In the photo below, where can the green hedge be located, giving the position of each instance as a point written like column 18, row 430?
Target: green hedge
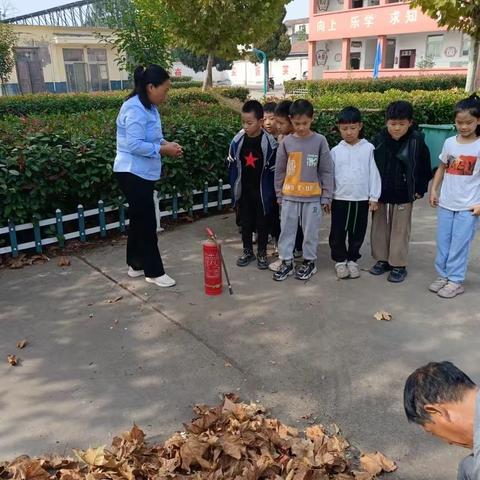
column 44, row 104
column 59, row 161
column 180, row 79
column 406, row 84
column 240, row 93
column 191, row 84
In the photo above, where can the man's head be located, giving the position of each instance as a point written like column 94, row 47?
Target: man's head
column 269, row 117
column 441, row 398
column 282, row 118
column 399, row 117
column 301, row 116
column 252, row 118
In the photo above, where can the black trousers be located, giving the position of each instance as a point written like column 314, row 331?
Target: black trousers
column 142, row 245
column 253, row 218
column 274, row 221
column 348, row 219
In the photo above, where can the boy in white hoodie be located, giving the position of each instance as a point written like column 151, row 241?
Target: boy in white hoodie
column 357, row 188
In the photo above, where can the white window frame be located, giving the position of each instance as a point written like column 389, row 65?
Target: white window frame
column 438, row 46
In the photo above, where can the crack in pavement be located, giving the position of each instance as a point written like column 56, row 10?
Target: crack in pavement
column 218, row 353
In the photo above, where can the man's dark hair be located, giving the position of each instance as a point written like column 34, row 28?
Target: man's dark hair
column 301, row 107
column 283, row 109
column 436, row 382
column 269, row 107
column 142, row 77
column 399, row 110
column 255, row 107
column 470, row 105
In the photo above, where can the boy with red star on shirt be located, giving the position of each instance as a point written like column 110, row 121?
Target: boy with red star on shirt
column 251, row 167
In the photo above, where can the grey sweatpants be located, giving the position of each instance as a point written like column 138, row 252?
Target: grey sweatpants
column 309, row 215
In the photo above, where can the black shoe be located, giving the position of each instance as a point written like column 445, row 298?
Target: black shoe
column 380, row 268
column 284, row 271
column 247, row 258
column 306, row 270
column 397, row 275
column 262, row 262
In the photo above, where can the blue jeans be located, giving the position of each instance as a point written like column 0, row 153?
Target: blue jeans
column 455, row 232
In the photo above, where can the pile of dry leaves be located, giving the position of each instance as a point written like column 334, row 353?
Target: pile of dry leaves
column 232, row 441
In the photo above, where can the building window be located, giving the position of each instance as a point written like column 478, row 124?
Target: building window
column 357, row 3
column 75, row 69
column 466, row 42
column 373, row 3
column 434, row 46
column 91, row 75
column 98, row 69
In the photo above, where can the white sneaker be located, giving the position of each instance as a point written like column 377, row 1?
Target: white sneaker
column 438, row 284
column 451, row 290
column 134, row 273
column 275, row 266
column 353, row 269
column 164, row 281
column 341, row 269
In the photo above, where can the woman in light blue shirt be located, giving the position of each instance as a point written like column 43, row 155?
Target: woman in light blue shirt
column 138, row 165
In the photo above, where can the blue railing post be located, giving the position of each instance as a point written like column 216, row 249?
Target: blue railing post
column 174, row 203
column 13, row 239
column 205, row 198
column 37, row 234
column 81, row 224
column 101, row 217
column 59, row 226
column 121, row 215
column 220, row 194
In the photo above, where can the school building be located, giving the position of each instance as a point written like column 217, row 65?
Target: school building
column 63, row 58
column 343, row 36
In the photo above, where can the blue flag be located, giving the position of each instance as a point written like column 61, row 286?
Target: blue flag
column 378, row 60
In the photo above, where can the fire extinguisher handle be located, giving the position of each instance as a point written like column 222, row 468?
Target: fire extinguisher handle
column 210, row 232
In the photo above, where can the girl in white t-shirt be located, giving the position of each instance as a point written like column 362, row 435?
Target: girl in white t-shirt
column 459, row 202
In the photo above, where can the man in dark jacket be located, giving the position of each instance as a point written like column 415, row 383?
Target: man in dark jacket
column 403, row 160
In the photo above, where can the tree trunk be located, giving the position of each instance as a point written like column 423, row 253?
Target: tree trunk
column 208, row 79
column 473, row 70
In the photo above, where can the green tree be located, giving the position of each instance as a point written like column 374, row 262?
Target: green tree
column 217, row 27
column 277, row 46
column 199, row 62
column 8, row 39
column 458, row 15
column 139, row 32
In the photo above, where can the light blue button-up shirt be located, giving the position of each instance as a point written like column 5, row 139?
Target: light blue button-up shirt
column 139, row 136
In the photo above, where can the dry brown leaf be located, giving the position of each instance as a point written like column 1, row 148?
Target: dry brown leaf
column 375, row 463
column 22, row 344
column 63, row 261
column 12, row 360
column 96, row 457
column 28, row 469
column 383, row 315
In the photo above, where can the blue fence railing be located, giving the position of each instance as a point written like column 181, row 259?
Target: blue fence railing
column 51, row 231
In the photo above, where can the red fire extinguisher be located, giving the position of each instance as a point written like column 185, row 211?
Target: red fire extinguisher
column 212, row 267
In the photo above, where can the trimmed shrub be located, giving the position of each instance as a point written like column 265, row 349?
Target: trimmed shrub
column 240, row 93
column 191, row 84
column 406, row 84
column 180, row 79
column 71, row 103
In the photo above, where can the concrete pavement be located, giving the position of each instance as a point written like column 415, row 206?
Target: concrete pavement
column 302, row 348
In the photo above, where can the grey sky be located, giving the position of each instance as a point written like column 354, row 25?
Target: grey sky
column 295, row 9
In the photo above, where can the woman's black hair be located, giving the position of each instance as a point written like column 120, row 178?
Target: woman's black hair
column 153, row 74
column 470, row 105
column 350, row 115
